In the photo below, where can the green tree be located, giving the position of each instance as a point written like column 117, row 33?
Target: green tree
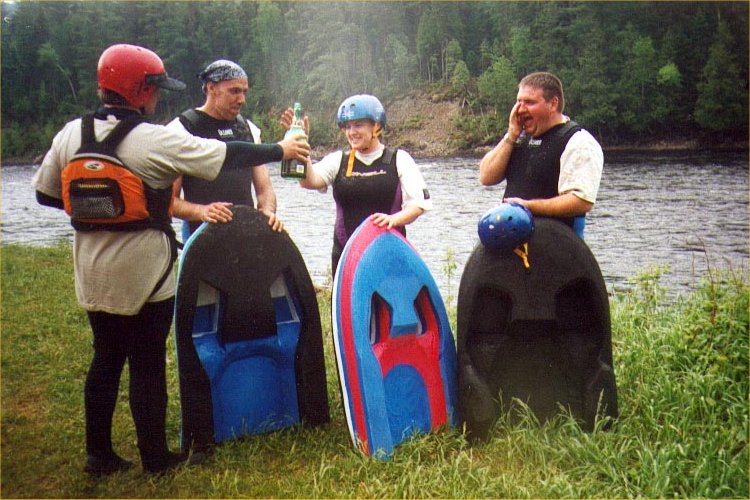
column 589, row 96
column 53, row 71
column 24, row 31
column 669, row 85
column 637, row 86
column 439, row 24
column 554, row 47
column 486, row 55
column 403, row 70
column 722, row 100
column 453, row 54
column 428, row 43
column 272, row 39
column 460, row 82
column 648, row 77
column 498, row 86
column 336, row 59
column 521, row 49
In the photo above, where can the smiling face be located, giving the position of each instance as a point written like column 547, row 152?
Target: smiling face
column 361, row 135
column 535, row 114
column 225, row 99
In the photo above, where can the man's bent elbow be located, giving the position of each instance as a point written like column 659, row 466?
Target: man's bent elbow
column 582, row 206
column 488, row 180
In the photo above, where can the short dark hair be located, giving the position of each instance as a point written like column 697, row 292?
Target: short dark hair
column 112, row 98
column 550, row 84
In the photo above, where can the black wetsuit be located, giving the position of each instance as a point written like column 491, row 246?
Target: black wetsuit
column 534, row 168
column 234, row 186
column 369, row 189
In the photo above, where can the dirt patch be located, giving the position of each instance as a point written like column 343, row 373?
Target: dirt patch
column 422, row 125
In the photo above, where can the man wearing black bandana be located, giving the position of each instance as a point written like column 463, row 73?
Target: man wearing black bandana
column 225, row 85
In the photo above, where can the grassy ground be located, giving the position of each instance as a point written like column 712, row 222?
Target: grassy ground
column 682, row 372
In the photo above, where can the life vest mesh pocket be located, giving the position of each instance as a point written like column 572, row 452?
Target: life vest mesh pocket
column 96, row 199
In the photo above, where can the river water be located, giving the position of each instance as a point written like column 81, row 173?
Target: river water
column 687, row 212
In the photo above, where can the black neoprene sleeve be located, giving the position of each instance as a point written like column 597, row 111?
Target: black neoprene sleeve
column 49, row 201
column 246, row 154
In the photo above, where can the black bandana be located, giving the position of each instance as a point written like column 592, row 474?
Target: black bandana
column 221, row 70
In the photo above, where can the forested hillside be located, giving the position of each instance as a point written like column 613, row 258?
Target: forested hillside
column 633, row 71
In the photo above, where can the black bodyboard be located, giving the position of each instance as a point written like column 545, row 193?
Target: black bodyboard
column 540, row 335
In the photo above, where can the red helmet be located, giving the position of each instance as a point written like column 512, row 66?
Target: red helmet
column 134, row 73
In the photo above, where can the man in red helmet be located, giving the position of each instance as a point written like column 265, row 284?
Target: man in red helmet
column 123, row 275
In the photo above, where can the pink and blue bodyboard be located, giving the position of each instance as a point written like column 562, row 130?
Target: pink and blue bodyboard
column 394, row 346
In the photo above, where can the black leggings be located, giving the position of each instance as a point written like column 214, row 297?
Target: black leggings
column 335, row 257
column 141, row 340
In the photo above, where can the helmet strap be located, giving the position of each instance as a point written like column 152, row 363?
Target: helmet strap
column 350, row 163
column 523, row 252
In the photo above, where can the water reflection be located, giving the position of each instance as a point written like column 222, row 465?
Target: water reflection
column 688, row 212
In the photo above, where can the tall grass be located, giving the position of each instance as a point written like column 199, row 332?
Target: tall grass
column 681, row 366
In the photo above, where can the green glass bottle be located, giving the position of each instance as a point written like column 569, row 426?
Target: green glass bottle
column 294, row 169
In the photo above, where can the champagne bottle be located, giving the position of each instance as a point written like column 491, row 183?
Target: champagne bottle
column 294, row 169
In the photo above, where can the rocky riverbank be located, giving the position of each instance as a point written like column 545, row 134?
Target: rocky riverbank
column 423, row 126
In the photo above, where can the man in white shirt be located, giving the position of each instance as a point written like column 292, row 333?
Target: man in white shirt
column 552, row 165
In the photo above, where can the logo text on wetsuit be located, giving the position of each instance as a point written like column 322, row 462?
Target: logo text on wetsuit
column 368, row 174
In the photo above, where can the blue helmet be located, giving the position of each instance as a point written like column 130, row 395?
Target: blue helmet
column 358, row 107
column 506, row 226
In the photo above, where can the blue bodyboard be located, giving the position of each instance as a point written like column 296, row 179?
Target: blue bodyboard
column 248, row 334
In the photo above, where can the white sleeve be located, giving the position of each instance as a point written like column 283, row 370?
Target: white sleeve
column 64, row 145
column 254, row 130
column 176, row 124
column 413, row 186
column 328, row 167
column 47, row 179
column 581, row 166
column 171, row 152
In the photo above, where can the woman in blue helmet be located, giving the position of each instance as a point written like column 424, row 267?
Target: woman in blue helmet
column 371, row 180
